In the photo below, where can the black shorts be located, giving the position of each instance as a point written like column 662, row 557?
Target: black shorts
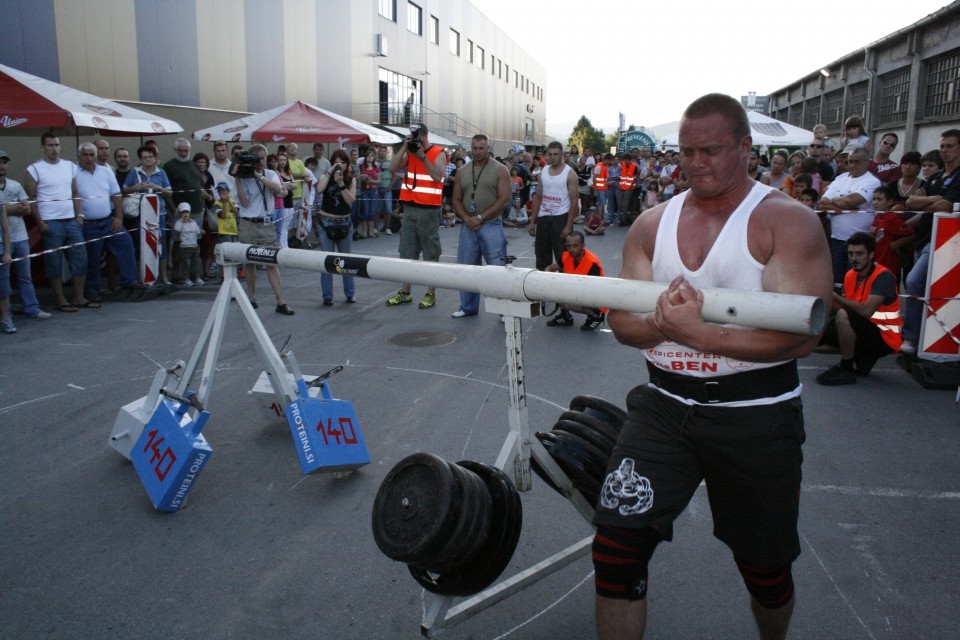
column 870, row 343
column 750, row 458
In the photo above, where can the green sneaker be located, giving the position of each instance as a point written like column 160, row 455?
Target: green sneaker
column 428, row 300
column 402, row 297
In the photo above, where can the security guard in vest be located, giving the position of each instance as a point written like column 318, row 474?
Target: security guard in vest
column 421, row 195
column 868, row 324
column 577, row 260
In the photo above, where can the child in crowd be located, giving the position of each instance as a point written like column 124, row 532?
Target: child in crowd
column 226, row 210
column 803, row 182
column 889, row 229
column 809, row 167
column 652, row 198
column 593, row 224
column 666, row 188
column 190, row 234
column 810, row 198
column 517, row 218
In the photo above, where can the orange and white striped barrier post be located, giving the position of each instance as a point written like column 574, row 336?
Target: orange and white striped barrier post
column 940, row 328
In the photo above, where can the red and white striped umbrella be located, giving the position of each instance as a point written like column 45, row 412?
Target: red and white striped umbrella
column 29, row 103
column 296, row 122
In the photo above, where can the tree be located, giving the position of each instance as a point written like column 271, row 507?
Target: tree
column 612, row 140
column 584, row 135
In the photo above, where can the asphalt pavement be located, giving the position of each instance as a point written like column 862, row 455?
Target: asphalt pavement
column 262, row 551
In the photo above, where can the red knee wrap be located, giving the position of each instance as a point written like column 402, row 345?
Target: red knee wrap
column 620, row 559
column 771, row 588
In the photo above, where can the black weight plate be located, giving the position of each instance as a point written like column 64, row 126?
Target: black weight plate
column 587, row 433
column 414, row 507
column 538, row 470
column 500, row 545
column 591, row 458
column 474, row 522
column 484, row 523
column 600, row 425
column 578, row 462
column 614, row 414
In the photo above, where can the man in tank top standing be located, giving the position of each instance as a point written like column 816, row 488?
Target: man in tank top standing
column 723, row 403
column 480, row 193
column 555, row 205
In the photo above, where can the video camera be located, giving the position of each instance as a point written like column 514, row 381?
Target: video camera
column 414, row 145
column 243, row 165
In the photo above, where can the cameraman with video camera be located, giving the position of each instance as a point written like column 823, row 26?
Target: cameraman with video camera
column 421, row 195
column 255, row 221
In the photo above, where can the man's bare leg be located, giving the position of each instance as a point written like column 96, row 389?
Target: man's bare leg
column 772, row 623
column 621, row 619
column 273, row 276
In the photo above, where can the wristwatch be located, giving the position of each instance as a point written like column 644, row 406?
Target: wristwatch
column 479, row 218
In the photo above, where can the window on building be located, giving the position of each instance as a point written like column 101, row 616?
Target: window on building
column 434, row 29
column 796, row 115
column 499, row 69
column 856, row 101
column 414, row 19
column 395, row 92
column 470, row 51
column 388, row 9
column 516, row 79
column 493, row 66
column 833, row 110
column 454, row 42
column 943, row 92
column 480, row 54
column 506, row 76
column 894, row 92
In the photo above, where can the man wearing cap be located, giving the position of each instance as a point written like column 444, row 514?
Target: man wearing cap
column 51, row 185
column 226, row 212
column 16, row 245
column 103, row 222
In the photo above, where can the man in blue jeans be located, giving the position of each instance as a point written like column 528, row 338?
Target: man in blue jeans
column 13, row 200
column 943, row 190
column 481, row 191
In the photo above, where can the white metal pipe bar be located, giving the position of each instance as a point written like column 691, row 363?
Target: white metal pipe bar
column 763, row 310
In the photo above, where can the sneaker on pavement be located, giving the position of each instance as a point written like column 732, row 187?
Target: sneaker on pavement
column 836, row 375
column 200, row 282
column 188, row 283
column 42, row 315
column 388, row 232
column 593, row 321
column 460, row 313
column 429, row 299
column 7, row 326
column 402, row 297
column 562, row 319
column 909, row 347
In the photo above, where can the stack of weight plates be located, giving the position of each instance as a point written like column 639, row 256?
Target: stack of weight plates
column 581, row 443
column 456, row 525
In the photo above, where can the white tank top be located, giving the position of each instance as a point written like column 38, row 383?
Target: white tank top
column 54, row 188
column 556, row 196
column 729, row 265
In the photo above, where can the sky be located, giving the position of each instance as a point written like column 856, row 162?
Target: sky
column 651, row 59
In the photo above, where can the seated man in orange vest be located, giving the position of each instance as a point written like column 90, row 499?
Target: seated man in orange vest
column 868, row 319
column 577, row 260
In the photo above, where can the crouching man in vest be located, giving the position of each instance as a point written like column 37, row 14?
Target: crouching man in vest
column 868, row 318
column 577, row 260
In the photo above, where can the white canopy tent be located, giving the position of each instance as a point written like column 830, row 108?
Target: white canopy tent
column 767, row 132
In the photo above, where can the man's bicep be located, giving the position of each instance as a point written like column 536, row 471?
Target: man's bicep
column 800, row 262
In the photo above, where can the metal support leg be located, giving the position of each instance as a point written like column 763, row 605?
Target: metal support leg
column 440, row 612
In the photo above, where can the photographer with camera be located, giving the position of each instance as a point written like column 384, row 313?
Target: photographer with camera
column 421, row 195
column 339, row 189
column 254, row 181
